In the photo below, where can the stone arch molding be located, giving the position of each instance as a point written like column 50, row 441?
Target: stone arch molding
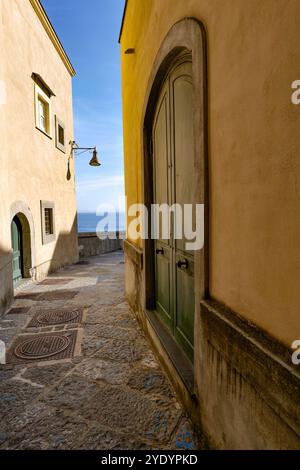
column 20, row 209
column 187, row 36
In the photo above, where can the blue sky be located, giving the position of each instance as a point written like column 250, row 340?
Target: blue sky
column 89, row 31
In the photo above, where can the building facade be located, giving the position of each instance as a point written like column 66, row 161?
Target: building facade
column 208, row 119
column 38, row 229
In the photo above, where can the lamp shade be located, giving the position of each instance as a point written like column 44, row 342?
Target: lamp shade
column 94, row 160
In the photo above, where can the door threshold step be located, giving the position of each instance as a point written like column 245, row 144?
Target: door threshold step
column 179, row 360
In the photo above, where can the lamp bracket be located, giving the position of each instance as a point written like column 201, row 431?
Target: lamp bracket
column 75, row 147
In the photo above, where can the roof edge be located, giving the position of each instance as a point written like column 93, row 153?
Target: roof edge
column 43, row 17
column 123, row 20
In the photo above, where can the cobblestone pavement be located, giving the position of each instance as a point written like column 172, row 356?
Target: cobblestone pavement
column 111, row 394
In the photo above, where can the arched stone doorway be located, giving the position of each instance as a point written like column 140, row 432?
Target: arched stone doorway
column 22, row 241
column 21, row 246
column 181, row 59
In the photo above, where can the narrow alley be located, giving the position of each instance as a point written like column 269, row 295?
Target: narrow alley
column 80, row 373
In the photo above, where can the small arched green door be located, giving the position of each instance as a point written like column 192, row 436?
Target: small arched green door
column 16, row 238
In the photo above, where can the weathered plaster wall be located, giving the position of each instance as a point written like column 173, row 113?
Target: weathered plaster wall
column 248, row 388
column 6, row 288
column 31, row 167
column 134, row 278
column 253, row 140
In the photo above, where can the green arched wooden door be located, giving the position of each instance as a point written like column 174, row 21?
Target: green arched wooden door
column 16, row 242
column 174, row 183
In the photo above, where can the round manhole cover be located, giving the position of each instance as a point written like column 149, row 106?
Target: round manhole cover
column 42, row 347
column 57, row 317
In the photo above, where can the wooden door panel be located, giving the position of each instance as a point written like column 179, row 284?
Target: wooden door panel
column 16, row 246
column 185, row 304
column 173, row 175
column 183, row 144
column 160, row 149
column 161, row 171
column 183, row 194
column 163, row 284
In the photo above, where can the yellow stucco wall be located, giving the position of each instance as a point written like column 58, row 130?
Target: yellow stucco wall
column 254, row 142
column 31, row 167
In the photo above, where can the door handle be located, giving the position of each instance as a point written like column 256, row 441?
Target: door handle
column 159, row 251
column 183, row 264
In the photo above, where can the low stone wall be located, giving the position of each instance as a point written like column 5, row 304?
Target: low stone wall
column 6, row 284
column 90, row 245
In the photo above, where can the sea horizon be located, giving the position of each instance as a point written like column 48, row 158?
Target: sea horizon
column 109, row 222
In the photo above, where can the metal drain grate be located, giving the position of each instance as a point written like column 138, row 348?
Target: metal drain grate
column 54, row 282
column 18, row 310
column 44, row 318
column 58, row 295
column 42, row 348
column 54, row 346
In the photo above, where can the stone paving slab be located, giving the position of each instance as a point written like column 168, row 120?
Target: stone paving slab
column 113, row 395
column 18, row 311
column 55, row 281
column 43, row 375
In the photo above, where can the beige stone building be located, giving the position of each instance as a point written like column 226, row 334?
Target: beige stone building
column 38, row 230
column 208, row 119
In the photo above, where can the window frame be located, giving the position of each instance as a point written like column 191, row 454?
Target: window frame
column 40, row 95
column 59, row 145
column 47, row 237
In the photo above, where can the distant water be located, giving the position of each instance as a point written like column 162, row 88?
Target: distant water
column 87, row 222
